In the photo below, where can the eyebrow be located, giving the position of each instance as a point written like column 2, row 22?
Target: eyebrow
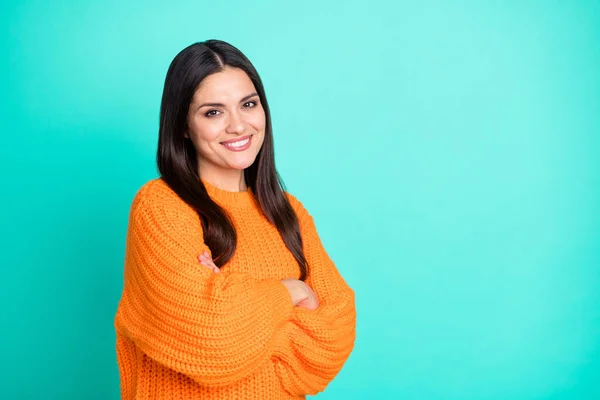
column 223, row 105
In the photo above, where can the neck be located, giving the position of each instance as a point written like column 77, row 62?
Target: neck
column 229, row 180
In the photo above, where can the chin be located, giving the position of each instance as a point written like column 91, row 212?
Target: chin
column 241, row 164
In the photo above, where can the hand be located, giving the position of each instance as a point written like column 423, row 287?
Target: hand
column 302, row 295
column 206, row 260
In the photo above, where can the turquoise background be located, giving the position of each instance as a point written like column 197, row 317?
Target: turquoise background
column 448, row 150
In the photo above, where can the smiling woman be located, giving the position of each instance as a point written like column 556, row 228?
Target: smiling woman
column 229, row 133
column 228, row 291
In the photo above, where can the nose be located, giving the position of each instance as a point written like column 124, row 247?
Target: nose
column 235, row 123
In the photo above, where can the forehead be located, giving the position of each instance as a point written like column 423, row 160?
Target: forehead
column 231, row 83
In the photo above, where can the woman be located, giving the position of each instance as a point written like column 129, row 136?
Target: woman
column 228, row 292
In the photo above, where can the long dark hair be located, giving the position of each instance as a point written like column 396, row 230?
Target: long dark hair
column 177, row 160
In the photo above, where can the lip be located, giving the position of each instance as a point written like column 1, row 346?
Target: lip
column 241, row 148
column 236, row 139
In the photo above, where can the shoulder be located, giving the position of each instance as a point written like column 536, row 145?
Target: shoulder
column 155, row 192
column 156, row 197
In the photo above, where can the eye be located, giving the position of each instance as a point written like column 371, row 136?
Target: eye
column 209, row 113
column 251, row 102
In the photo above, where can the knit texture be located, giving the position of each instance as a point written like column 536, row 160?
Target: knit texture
column 184, row 332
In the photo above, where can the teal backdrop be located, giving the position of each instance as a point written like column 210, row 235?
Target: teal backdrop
column 448, row 150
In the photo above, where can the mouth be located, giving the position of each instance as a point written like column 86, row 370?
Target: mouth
column 238, row 144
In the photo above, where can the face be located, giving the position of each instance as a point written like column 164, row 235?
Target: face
column 226, row 122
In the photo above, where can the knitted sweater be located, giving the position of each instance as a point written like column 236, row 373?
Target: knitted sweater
column 185, row 332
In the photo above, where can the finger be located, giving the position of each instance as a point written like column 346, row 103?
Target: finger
column 209, row 263
column 314, row 302
column 308, row 304
column 205, row 262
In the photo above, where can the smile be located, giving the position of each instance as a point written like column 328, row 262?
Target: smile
column 238, row 144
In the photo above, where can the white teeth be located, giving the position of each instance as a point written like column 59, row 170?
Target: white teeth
column 237, row 144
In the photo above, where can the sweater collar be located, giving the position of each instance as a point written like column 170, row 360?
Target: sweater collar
column 230, row 199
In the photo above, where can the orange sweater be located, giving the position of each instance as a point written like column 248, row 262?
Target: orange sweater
column 184, row 332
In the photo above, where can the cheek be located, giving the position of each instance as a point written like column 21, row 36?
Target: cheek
column 203, row 137
column 256, row 119
column 204, row 132
column 259, row 121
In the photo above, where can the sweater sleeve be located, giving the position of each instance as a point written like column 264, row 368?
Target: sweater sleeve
column 315, row 344
column 214, row 328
